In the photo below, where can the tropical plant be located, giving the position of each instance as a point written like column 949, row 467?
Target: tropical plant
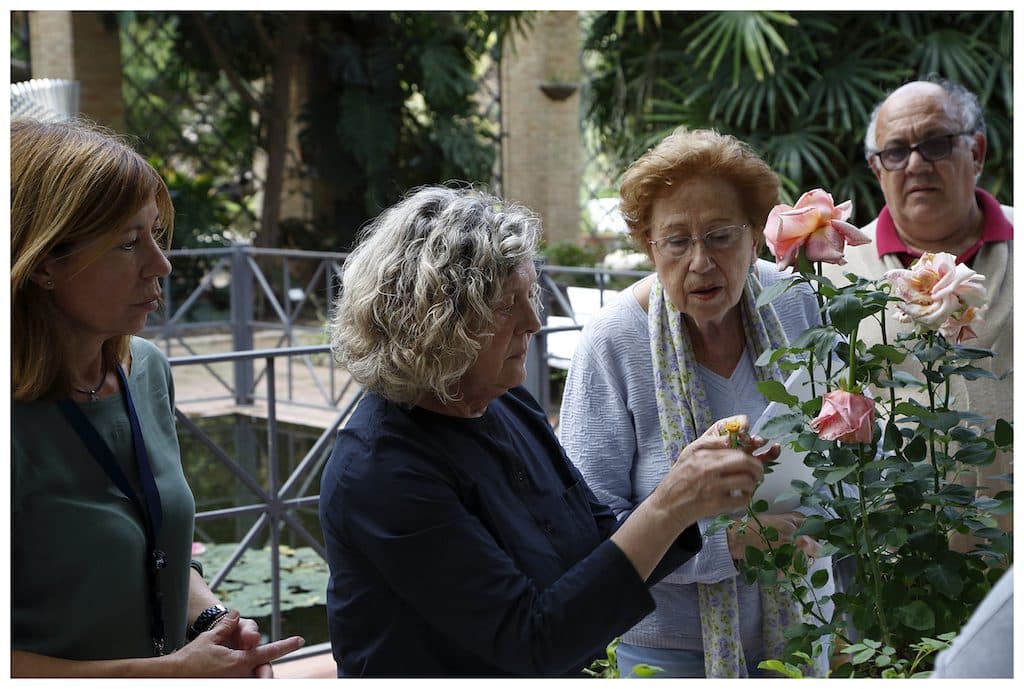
column 379, row 101
column 798, row 86
column 888, row 447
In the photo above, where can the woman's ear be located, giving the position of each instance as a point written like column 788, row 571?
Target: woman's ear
column 45, row 272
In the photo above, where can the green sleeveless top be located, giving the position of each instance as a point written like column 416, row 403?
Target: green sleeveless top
column 78, row 581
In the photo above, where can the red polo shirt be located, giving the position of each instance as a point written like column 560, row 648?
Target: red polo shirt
column 996, row 229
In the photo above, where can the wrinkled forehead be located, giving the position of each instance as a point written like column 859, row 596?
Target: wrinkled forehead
column 522, row 278
column 915, row 112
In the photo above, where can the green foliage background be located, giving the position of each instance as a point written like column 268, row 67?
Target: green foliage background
column 390, row 103
column 798, row 86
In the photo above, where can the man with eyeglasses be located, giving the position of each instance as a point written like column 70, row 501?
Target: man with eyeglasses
column 926, row 145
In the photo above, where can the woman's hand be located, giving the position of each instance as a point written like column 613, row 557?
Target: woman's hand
column 708, row 478
column 711, row 475
column 216, row 652
column 228, row 649
column 785, row 524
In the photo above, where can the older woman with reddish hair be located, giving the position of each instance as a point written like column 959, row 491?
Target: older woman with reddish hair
column 657, row 367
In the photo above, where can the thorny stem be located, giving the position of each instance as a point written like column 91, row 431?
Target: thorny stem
column 821, row 310
column 872, row 555
column 853, row 358
column 792, row 586
column 888, row 367
column 931, row 407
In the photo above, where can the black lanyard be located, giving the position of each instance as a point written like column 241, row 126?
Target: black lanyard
column 149, row 507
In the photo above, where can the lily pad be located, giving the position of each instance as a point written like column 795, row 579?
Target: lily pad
column 248, row 584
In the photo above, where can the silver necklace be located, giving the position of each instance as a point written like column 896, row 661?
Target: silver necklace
column 93, row 394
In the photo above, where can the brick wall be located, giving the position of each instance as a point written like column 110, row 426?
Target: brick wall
column 85, row 47
column 542, row 154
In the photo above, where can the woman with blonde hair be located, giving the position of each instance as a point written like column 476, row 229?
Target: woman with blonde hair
column 655, row 369
column 102, row 517
column 461, row 540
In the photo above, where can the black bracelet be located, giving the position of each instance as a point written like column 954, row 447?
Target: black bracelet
column 197, row 566
column 207, row 618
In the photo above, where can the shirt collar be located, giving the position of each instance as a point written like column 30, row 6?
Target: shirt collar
column 996, row 228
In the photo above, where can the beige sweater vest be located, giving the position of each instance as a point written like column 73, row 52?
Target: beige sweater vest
column 991, row 399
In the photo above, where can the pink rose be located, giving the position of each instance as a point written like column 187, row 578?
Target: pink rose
column 846, row 417
column 198, row 548
column 815, row 222
column 936, row 289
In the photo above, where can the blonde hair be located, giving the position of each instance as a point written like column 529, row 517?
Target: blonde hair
column 693, row 154
column 419, row 290
column 73, row 188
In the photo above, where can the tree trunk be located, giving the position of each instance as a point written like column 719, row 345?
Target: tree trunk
column 275, row 127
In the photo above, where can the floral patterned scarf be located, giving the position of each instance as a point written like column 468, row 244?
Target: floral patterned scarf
column 684, row 414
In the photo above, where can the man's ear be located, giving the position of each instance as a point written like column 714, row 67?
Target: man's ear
column 875, row 167
column 45, row 273
column 979, row 150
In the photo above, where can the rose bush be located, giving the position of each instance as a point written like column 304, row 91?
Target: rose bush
column 889, row 468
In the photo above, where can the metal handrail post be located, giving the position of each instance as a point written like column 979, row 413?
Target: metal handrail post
column 537, row 373
column 242, row 308
column 275, row 509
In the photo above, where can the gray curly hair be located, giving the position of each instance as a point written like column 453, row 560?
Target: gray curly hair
column 419, row 290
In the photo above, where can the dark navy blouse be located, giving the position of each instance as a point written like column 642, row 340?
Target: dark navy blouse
column 471, row 547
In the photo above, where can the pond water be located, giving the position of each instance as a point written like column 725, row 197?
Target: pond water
column 216, row 487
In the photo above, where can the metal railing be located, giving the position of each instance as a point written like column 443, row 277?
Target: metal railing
column 280, row 495
column 265, row 300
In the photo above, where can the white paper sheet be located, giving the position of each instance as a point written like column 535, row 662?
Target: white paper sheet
column 790, row 464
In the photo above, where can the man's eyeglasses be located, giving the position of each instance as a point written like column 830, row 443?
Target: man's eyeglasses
column 932, row 149
column 679, row 245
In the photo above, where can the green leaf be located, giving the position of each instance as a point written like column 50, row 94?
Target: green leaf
column 863, row 656
column 917, row 615
column 945, row 581
column 916, row 449
column 790, row 422
column 975, row 372
column 720, row 522
column 1004, row 433
column 819, row 578
column 838, row 474
column 896, row 538
column 845, row 312
column 914, row 410
column 888, row 353
column 774, row 291
column 775, row 391
column 814, row 525
column 976, row 454
column 784, row 669
column 645, row 670
column 972, row 352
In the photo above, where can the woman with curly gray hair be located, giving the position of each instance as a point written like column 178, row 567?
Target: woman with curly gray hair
column 461, row 540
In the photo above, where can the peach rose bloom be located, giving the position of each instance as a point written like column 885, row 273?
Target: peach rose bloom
column 815, row 222
column 935, row 289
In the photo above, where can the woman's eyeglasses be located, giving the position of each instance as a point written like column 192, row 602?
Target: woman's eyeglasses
column 931, row 149
column 679, row 245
